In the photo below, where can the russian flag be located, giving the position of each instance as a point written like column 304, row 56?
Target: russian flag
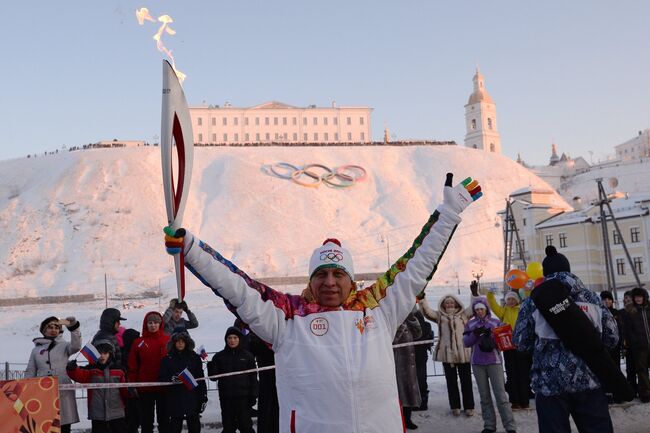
column 188, row 380
column 90, row 352
column 202, row 353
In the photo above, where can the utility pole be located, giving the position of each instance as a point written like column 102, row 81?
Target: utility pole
column 510, row 235
column 604, row 201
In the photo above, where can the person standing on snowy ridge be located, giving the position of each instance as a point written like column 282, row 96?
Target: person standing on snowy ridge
column 334, row 357
column 563, row 383
column 173, row 317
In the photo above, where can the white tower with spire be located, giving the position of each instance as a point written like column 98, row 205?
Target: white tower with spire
column 481, row 119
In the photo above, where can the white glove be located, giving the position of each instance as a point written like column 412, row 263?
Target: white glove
column 457, row 198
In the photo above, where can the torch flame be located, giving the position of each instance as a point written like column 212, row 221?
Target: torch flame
column 143, row 15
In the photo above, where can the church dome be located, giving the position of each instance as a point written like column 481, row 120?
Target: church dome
column 479, row 94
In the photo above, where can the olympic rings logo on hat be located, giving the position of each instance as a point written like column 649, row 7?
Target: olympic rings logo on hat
column 344, row 176
column 332, row 257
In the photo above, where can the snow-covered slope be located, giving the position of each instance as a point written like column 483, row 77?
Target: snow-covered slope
column 70, row 218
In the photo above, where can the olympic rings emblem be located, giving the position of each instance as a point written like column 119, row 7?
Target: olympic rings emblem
column 313, row 175
column 332, row 257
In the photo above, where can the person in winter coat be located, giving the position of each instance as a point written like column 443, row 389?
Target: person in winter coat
column 517, row 363
column 608, row 300
column 486, row 363
column 630, row 362
column 334, row 357
column 131, row 409
column 146, row 355
column 105, row 405
column 236, row 393
column 109, row 326
column 267, row 395
column 637, row 335
column 408, row 388
column 564, row 386
column 451, row 317
column 183, row 403
column 173, row 317
column 49, row 358
column 422, row 356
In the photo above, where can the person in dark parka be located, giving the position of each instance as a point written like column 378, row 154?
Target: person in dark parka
column 637, row 336
column 236, row 393
column 408, row 387
column 182, row 402
column 109, row 325
column 268, row 410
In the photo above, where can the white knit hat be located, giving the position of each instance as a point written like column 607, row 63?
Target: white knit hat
column 512, row 294
column 479, row 305
column 331, row 255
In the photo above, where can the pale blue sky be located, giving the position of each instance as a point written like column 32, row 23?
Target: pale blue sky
column 575, row 72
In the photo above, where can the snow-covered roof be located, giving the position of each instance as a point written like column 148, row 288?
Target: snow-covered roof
column 622, row 207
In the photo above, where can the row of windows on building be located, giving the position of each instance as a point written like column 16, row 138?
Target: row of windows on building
column 620, row 263
column 258, row 138
column 284, row 120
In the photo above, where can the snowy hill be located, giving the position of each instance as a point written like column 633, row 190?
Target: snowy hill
column 68, row 219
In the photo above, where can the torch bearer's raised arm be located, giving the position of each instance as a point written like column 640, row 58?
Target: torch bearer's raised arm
column 175, row 132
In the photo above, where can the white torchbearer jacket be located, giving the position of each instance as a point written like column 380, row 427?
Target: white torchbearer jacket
column 334, row 366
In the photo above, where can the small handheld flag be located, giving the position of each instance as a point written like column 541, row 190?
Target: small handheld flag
column 202, row 353
column 188, row 380
column 90, row 352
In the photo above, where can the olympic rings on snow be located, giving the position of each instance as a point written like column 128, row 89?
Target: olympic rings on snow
column 312, row 175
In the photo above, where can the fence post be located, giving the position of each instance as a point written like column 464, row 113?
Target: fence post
column 6, row 370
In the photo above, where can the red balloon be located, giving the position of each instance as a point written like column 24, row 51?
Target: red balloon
column 539, row 281
column 516, row 279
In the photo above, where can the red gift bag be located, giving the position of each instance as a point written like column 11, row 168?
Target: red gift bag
column 503, row 336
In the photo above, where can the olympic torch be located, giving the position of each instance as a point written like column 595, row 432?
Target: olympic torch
column 176, row 132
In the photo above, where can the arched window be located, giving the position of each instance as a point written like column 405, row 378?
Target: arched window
column 489, row 123
column 491, row 147
column 473, row 123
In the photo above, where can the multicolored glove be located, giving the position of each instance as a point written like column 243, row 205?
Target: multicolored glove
column 457, row 198
column 174, row 240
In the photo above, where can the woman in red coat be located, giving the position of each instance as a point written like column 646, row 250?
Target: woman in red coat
column 146, row 355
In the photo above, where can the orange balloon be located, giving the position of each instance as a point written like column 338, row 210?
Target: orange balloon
column 516, row 279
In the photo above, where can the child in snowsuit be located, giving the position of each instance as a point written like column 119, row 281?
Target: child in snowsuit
column 105, row 405
column 517, row 363
column 239, row 392
column 182, row 402
column 486, row 363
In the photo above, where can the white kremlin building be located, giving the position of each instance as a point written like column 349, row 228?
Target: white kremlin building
column 276, row 122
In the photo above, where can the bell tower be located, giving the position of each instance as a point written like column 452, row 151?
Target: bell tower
column 481, row 119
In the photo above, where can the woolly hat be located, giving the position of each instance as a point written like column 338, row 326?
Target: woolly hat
column 104, row 346
column 152, row 317
column 554, row 262
column 479, row 305
column 606, row 294
column 514, row 295
column 331, row 255
column 48, row 320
